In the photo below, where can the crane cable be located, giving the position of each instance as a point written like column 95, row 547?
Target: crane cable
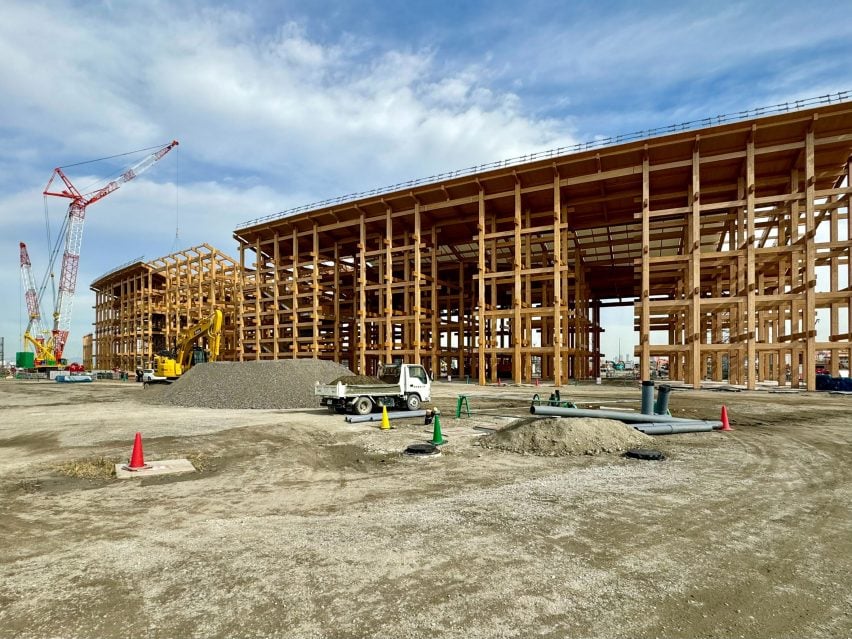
column 176, row 241
column 49, row 275
column 110, row 157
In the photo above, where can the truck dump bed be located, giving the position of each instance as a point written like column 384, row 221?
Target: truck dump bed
column 355, row 390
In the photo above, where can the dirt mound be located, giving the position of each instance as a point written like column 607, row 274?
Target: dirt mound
column 357, row 379
column 285, row 383
column 559, row 436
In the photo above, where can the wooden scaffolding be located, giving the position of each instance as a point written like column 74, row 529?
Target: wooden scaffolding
column 731, row 243
column 142, row 307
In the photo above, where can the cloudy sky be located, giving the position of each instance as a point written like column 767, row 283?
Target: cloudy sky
column 277, row 104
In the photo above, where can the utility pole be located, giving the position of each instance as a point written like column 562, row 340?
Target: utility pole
column 3, row 354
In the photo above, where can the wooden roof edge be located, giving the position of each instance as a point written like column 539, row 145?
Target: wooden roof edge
column 242, row 233
column 118, row 273
column 200, row 249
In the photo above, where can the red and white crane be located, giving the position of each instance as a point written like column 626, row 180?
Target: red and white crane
column 35, row 333
column 73, row 240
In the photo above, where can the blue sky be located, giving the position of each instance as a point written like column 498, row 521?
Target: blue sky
column 277, row 104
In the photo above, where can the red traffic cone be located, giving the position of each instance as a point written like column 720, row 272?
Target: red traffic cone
column 137, row 457
column 725, row 423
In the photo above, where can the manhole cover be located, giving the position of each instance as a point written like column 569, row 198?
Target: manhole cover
column 422, row 450
column 644, row 453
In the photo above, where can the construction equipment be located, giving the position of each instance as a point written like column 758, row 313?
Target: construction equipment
column 35, row 333
column 187, row 352
column 403, row 386
column 49, row 348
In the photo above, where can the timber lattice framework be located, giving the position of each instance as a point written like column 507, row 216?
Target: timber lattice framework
column 142, row 307
column 731, row 243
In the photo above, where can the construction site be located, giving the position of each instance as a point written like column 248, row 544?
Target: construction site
column 730, row 243
column 387, row 415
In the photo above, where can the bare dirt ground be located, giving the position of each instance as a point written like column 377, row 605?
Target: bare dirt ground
column 299, row 525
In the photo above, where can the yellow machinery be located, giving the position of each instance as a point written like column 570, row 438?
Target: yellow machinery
column 188, row 352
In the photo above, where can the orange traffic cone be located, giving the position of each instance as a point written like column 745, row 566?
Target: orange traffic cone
column 725, row 423
column 137, row 457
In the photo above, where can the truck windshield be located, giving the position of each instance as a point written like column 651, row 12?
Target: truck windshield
column 390, row 374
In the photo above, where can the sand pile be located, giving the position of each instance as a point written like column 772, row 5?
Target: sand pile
column 559, row 436
column 272, row 384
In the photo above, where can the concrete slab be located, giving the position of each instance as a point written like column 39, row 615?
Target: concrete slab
column 159, row 467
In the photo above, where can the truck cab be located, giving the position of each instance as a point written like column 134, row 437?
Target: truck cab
column 412, row 379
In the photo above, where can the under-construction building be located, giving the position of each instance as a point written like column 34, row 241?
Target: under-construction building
column 142, row 307
column 730, row 241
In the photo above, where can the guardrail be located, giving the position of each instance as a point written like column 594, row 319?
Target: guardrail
column 784, row 107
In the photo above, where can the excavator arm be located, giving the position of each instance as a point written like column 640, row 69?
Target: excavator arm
column 211, row 328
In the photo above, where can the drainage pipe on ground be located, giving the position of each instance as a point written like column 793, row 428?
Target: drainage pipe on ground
column 555, row 411
column 673, row 429
column 377, row 417
column 662, row 405
column 648, row 398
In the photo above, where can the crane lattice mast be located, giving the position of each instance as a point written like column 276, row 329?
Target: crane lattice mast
column 35, row 333
column 74, row 238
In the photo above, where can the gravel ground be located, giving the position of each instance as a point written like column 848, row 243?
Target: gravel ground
column 301, row 525
column 276, row 384
column 557, row 437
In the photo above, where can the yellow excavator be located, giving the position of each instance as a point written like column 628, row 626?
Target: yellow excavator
column 187, row 353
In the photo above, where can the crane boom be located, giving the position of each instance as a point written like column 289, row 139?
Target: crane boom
column 73, row 239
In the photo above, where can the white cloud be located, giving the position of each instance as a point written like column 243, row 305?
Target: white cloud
column 267, row 119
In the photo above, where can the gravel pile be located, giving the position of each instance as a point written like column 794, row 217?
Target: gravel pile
column 357, row 380
column 272, row 384
column 558, row 437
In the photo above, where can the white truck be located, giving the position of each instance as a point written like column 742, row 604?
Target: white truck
column 403, row 385
column 149, row 376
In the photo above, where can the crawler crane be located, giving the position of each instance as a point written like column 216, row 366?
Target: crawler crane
column 71, row 242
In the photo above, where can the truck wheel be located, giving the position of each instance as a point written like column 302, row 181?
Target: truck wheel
column 413, row 402
column 363, row 406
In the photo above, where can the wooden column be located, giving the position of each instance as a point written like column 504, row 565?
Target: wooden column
column 492, row 322
column 848, row 253
column 337, row 294
column 696, row 363
column 810, row 258
column 435, row 307
column 418, row 281
column 645, row 317
column 526, row 341
column 315, row 315
column 517, row 328
column 481, row 265
column 834, row 277
column 461, row 323
column 557, row 280
column 294, row 308
column 258, row 278
column 388, row 276
column 276, row 286
column 751, row 332
column 362, row 298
